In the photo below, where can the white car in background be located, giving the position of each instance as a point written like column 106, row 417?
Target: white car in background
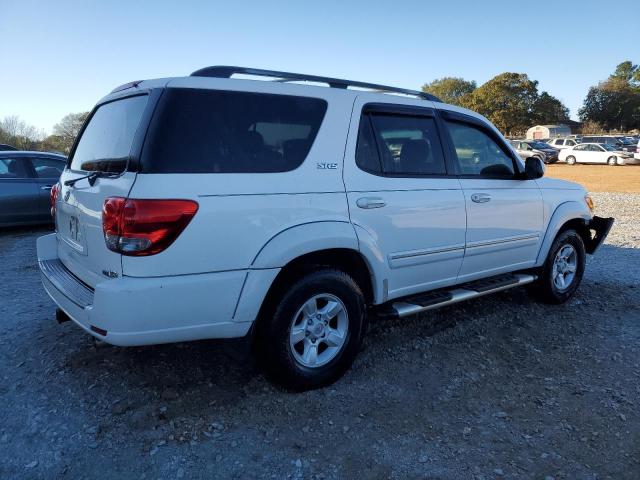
column 562, row 143
column 595, row 153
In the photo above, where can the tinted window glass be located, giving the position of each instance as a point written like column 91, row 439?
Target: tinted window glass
column 106, row 143
column 212, row 131
column 408, row 145
column 477, row 153
column 13, row 168
column 47, row 167
column 366, row 150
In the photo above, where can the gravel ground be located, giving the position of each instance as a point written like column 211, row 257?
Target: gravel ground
column 500, row 387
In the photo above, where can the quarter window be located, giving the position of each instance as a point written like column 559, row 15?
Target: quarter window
column 213, row 131
column 398, row 145
column 477, row 154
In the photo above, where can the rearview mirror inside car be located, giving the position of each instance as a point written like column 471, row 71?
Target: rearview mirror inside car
column 533, row 168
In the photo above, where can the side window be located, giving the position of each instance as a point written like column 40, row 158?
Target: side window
column 13, row 168
column 215, row 131
column 580, row 147
column 571, row 143
column 47, row 168
column 366, row 150
column 477, row 153
column 408, row 145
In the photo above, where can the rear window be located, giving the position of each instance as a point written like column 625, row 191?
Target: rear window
column 106, row 142
column 212, row 131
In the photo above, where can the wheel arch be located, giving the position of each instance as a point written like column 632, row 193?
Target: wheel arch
column 567, row 215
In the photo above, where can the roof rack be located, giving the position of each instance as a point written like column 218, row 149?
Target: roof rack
column 225, row 71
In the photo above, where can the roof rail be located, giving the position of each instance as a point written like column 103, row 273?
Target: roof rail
column 225, row 71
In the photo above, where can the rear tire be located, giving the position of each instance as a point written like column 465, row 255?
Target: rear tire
column 563, row 269
column 571, row 160
column 315, row 331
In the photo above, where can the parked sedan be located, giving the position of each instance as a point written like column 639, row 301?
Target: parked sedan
column 562, row 143
column 26, row 179
column 596, row 153
column 534, row 148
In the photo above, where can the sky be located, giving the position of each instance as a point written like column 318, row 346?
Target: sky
column 58, row 57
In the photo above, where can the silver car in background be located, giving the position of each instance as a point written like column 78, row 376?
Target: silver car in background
column 26, row 179
column 535, row 148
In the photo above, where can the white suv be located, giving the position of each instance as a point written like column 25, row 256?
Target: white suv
column 211, row 207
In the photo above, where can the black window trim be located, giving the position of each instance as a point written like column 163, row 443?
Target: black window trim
column 486, row 129
column 395, row 109
column 138, row 140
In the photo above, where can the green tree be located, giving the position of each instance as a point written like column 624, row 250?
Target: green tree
column 614, row 104
column 508, row 100
column 547, row 109
column 68, row 128
column 451, row 90
column 628, row 72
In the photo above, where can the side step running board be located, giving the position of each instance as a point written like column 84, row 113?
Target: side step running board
column 440, row 298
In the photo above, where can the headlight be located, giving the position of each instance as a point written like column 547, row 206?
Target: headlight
column 589, row 201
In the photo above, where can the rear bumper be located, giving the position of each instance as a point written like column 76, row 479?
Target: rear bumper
column 144, row 311
column 601, row 227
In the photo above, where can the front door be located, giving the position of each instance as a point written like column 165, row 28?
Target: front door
column 400, row 198
column 504, row 212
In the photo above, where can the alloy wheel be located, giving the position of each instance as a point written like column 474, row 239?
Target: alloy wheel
column 319, row 330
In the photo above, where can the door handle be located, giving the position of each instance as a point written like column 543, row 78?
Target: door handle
column 370, row 202
column 46, row 187
column 480, row 197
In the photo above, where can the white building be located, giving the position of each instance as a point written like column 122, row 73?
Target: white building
column 541, row 132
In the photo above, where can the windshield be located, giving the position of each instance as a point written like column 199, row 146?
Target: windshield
column 106, row 141
column 539, row 145
column 608, row 147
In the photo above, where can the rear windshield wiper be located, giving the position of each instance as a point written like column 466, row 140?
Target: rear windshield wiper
column 92, row 177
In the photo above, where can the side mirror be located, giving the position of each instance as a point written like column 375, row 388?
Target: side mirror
column 533, row 168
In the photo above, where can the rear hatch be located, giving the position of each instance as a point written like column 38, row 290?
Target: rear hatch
column 107, row 152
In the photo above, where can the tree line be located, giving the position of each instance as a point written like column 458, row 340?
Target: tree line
column 16, row 132
column 513, row 103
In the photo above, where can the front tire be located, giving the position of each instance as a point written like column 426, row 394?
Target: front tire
column 563, row 269
column 613, row 161
column 571, row 160
column 315, row 331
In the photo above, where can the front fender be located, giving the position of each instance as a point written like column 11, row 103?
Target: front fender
column 563, row 213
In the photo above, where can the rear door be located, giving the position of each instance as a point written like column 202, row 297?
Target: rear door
column 18, row 192
column 47, row 172
column 504, row 212
column 109, row 145
column 400, row 195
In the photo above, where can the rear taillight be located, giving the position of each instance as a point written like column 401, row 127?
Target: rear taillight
column 53, row 198
column 144, row 227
